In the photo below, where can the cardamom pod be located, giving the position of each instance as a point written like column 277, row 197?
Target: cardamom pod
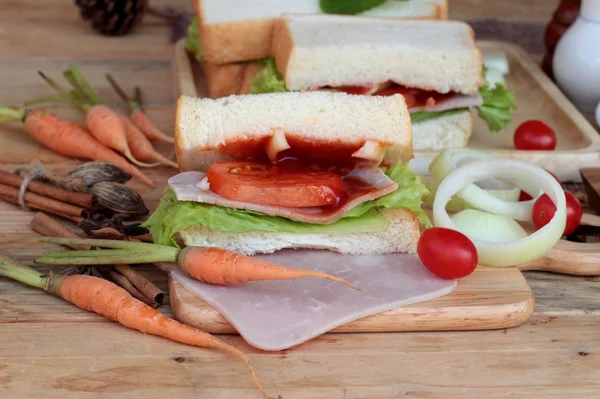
column 83, row 177
column 118, row 198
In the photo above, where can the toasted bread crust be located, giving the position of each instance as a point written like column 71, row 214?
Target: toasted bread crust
column 240, row 41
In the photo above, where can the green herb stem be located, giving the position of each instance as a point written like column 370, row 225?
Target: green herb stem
column 114, row 244
column 77, row 76
column 17, row 271
column 63, row 93
column 9, row 114
column 125, row 258
column 131, row 104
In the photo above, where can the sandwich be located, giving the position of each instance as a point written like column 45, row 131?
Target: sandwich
column 322, row 170
column 436, row 65
column 232, row 39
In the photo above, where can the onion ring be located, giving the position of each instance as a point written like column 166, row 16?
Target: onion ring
column 505, row 253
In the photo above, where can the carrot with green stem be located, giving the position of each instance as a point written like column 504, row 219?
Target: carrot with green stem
column 206, row 264
column 141, row 148
column 107, row 299
column 101, row 121
column 137, row 115
column 68, row 138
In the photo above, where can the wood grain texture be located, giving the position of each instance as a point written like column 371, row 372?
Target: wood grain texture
column 535, row 94
column 542, row 359
column 50, row 349
column 490, row 298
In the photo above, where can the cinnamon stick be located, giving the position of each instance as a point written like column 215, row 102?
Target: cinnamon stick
column 122, row 281
column 83, row 200
column 41, row 207
column 142, row 283
column 49, row 227
column 36, row 201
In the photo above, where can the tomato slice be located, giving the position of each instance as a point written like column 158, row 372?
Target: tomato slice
column 360, row 90
column 297, row 187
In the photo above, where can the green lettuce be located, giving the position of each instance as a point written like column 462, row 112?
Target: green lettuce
column 173, row 216
column 497, row 103
column 424, row 116
column 192, row 41
column 268, row 80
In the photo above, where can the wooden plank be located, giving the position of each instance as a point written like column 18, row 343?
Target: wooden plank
column 540, row 359
column 536, row 95
column 490, row 298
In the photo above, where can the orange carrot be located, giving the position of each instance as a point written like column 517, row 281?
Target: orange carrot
column 137, row 115
column 107, row 299
column 71, row 140
column 103, row 123
column 141, row 120
column 107, row 126
column 141, row 147
column 209, row 265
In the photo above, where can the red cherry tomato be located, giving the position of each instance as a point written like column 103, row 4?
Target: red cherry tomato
column 544, row 209
column 534, row 135
column 447, row 253
column 274, row 185
column 526, row 197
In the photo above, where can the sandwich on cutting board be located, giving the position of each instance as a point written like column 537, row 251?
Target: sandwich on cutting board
column 435, row 65
column 322, row 170
column 232, row 38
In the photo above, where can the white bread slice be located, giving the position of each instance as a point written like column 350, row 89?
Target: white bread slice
column 211, row 130
column 402, row 235
column 444, row 132
column 314, row 51
column 241, row 30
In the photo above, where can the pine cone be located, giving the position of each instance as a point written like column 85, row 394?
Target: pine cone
column 112, row 17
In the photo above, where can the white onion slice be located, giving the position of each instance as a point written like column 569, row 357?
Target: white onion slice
column 476, row 224
column 505, row 253
column 451, row 159
column 497, row 188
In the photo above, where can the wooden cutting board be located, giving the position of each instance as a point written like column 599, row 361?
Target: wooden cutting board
column 490, row 298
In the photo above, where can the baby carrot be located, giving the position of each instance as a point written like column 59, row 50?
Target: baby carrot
column 70, row 139
column 137, row 116
column 215, row 266
column 102, row 122
column 107, row 299
column 141, row 147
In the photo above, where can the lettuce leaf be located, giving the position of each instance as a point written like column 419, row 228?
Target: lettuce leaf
column 424, row 116
column 497, row 103
column 268, row 80
column 192, row 41
column 173, row 216
column 410, row 194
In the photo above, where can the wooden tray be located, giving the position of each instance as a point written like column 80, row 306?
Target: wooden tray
column 537, row 98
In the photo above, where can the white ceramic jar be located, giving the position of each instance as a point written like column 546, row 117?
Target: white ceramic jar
column 576, row 62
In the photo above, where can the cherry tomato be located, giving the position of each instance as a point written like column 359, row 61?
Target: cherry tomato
column 447, row 253
column 526, row 197
column 274, row 185
column 544, row 209
column 534, row 135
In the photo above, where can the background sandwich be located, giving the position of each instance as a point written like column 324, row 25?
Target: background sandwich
column 258, row 175
column 232, row 38
column 435, row 65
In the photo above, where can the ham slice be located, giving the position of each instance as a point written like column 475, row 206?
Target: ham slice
column 192, row 186
column 277, row 315
column 451, row 102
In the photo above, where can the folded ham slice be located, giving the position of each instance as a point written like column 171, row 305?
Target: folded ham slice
column 277, row 315
column 455, row 101
column 192, row 186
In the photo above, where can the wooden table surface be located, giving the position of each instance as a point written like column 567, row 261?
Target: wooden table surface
column 50, row 349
